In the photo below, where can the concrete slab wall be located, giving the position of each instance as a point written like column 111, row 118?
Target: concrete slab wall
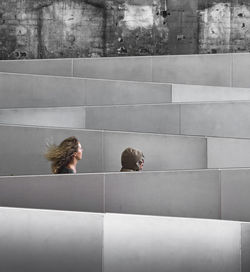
column 156, row 244
column 184, row 193
column 53, row 67
column 192, row 93
column 235, row 187
column 40, row 240
column 71, row 117
column 59, row 192
column 24, row 91
column 228, row 152
column 102, row 150
column 216, row 194
column 58, row 91
column 215, row 70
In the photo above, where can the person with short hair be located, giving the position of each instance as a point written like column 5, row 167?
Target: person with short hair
column 132, row 160
column 65, row 156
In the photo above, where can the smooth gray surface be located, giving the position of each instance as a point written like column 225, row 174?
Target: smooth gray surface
column 124, row 68
column 162, row 152
column 146, row 244
column 184, row 194
column 59, row 192
column 192, row 93
column 52, row 91
column 73, row 117
column 40, row 240
column 109, row 92
column 226, row 152
column 227, row 119
column 212, row 70
column 17, row 90
column 22, row 149
column 140, row 118
column 235, row 188
column 102, row 150
column 53, row 67
column 245, row 247
column 241, row 68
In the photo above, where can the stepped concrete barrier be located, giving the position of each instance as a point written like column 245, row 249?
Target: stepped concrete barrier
column 52, row 91
column 177, row 193
column 22, row 149
column 215, row 70
column 223, row 119
column 215, row 194
column 170, row 244
column 40, row 240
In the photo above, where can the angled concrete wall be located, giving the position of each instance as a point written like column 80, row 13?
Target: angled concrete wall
column 170, row 244
column 24, row 91
column 183, row 193
column 102, row 150
column 35, row 91
column 40, row 240
column 215, row 70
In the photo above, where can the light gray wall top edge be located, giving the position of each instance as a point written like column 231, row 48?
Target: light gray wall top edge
column 84, row 78
column 159, row 56
column 115, row 173
column 50, row 211
column 173, row 218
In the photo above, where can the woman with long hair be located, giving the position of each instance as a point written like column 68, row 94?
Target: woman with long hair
column 65, row 156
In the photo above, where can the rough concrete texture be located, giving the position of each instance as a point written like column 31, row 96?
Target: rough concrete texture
column 92, row 28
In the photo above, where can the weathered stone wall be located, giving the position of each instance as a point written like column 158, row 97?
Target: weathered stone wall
column 92, row 28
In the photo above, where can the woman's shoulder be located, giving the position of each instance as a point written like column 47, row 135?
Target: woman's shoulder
column 65, row 170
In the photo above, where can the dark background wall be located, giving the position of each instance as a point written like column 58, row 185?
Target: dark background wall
column 93, row 28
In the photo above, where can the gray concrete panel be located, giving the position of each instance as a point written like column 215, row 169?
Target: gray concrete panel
column 40, row 240
column 109, row 92
column 182, row 194
column 58, row 192
column 192, row 93
column 214, row 70
column 245, row 247
column 53, row 67
column 227, row 119
column 235, row 187
column 17, row 90
column 241, row 68
column 22, row 149
column 225, row 153
column 140, row 118
column 72, row 117
column 162, row 152
column 125, row 68
column 144, row 243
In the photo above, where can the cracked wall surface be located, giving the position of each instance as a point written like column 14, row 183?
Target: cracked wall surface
column 97, row 28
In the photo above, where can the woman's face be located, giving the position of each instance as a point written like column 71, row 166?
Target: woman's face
column 79, row 152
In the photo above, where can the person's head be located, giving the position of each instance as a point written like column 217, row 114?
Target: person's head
column 66, row 153
column 132, row 160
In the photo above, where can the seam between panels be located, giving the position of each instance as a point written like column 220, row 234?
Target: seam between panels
column 103, row 224
column 72, row 68
column 151, row 65
column 241, row 224
column 220, row 195
column 104, row 193
column 180, row 130
column 231, row 70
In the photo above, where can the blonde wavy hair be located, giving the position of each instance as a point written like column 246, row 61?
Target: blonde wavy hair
column 61, row 155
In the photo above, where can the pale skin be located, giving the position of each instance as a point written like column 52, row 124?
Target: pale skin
column 76, row 157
